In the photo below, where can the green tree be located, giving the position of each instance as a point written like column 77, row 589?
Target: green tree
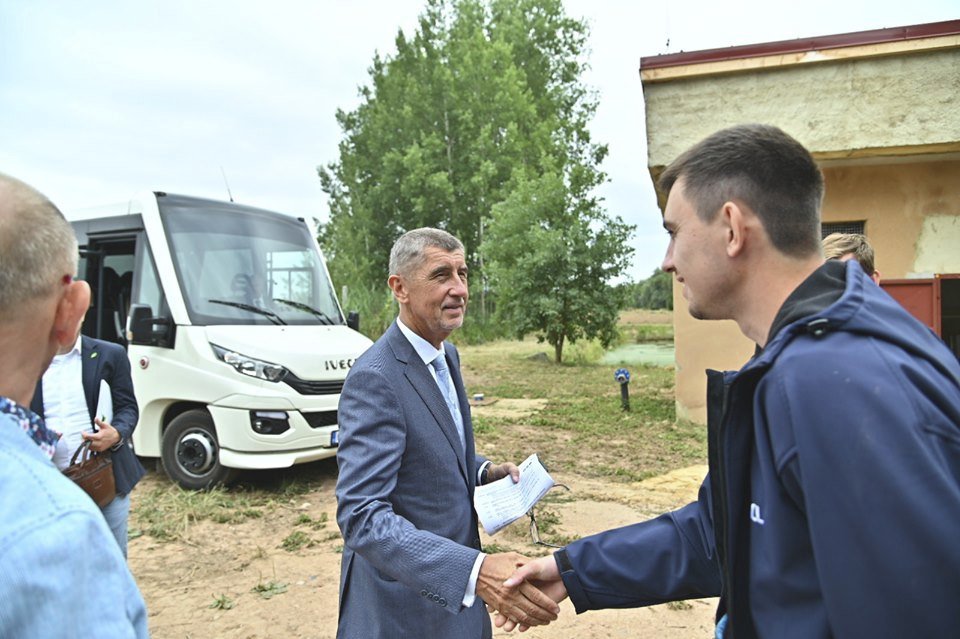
column 445, row 122
column 551, row 258
column 656, row 291
column 485, row 94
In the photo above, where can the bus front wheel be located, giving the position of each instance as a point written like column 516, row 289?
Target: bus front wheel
column 191, row 454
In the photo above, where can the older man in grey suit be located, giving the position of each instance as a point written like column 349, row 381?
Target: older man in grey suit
column 412, row 564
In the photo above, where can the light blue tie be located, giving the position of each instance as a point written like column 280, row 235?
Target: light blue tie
column 449, row 394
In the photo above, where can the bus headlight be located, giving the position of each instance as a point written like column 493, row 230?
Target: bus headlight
column 250, row 366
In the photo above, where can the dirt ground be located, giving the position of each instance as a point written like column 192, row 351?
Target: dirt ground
column 273, row 592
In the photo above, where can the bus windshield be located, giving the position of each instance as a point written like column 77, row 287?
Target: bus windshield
column 241, row 265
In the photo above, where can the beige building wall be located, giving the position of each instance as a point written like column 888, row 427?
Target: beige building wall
column 883, row 120
column 912, row 213
column 852, row 107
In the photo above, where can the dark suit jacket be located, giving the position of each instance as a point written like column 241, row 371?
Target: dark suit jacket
column 405, row 500
column 108, row 361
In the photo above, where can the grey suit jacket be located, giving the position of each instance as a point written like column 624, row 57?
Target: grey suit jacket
column 405, row 501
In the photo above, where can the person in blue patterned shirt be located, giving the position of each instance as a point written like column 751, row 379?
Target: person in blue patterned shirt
column 61, row 571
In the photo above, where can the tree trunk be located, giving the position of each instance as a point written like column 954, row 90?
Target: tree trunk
column 558, row 350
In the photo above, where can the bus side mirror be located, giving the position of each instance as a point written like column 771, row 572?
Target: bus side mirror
column 144, row 328
column 353, row 320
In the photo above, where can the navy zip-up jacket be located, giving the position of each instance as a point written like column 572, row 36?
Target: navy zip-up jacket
column 832, row 505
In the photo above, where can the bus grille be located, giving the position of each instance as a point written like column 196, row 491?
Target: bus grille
column 321, row 419
column 312, row 387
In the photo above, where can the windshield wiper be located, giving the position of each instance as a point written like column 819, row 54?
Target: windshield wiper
column 323, row 317
column 276, row 319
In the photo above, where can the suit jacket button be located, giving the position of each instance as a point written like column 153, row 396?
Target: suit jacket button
column 443, row 602
column 423, row 593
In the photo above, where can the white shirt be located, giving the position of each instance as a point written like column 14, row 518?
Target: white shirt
column 64, row 406
column 428, row 353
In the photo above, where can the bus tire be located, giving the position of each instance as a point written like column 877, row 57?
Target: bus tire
column 190, row 452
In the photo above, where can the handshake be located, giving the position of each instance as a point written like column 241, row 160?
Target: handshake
column 520, row 592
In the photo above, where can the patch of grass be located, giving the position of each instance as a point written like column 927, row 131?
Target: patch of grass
column 582, row 429
column 269, row 589
column 493, row 548
column 483, row 425
column 642, row 333
column 583, row 351
column 222, row 602
column 167, row 511
column 547, row 523
column 679, row 605
column 297, row 540
column 317, row 524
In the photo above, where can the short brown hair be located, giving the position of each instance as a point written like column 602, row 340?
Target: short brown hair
column 765, row 169
column 836, row 245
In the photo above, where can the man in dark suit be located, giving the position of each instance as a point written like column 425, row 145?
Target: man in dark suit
column 71, row 408
column 412, row 564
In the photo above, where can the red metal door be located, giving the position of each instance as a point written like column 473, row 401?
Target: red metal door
column 921, row 298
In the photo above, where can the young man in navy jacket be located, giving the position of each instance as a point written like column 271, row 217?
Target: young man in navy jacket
column 832, row 505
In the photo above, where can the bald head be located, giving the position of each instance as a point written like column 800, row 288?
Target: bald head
column 37, row 246
column 41, row 305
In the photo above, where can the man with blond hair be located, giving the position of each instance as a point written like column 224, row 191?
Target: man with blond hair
column 851, row 246
column 61, row 571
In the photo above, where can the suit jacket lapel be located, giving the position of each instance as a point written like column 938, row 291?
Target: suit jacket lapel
column 90, row 365
column 36, row 404
column 422, row 381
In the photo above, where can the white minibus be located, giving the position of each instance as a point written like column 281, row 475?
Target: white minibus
column 237, row 343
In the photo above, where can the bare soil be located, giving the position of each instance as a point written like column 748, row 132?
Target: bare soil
column 243, row 564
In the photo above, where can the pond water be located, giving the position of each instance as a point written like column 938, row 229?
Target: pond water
column 653, row 353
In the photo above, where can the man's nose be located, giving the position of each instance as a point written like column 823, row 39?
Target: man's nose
column 667, row 265
column 459, row 287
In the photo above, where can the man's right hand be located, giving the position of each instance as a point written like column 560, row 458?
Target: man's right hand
column 542, row 574
column 522, row 603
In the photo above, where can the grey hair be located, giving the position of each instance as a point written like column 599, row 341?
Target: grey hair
column 37, row 246
column 407, row 251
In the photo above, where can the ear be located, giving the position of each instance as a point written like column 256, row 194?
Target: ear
column 396, row 284
column 70, row 312
column 735, row 221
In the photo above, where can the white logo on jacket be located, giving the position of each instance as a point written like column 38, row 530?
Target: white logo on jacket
column 755, row 514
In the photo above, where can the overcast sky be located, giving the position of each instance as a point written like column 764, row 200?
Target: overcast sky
column 102, row 99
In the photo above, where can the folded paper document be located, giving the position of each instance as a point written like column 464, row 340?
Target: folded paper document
column 502, row 502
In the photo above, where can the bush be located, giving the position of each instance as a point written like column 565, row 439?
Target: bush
column 584, row 351
column 375, row 305
column 655, row 292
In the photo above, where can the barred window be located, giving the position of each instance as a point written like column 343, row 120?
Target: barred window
column 826, row 228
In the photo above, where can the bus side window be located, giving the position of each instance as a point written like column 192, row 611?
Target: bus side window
column 148, row 291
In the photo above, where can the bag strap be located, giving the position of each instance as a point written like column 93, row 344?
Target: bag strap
column 85, row 448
